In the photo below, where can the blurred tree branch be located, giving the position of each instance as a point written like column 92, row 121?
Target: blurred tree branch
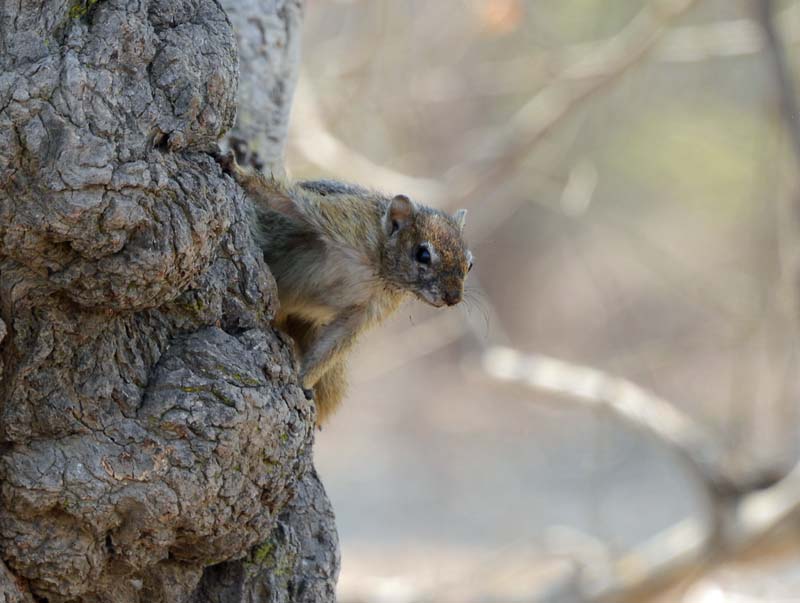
column 604, row 64
column 743, row 518
column 681, row 44
column 698, row 448
column 322, row 148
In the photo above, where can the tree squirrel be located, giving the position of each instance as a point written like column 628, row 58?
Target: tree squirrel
column 344, row 258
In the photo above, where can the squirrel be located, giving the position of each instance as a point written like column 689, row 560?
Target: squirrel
column 344, row 258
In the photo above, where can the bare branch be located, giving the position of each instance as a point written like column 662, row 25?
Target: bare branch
column 742, row 518
column 635, row 405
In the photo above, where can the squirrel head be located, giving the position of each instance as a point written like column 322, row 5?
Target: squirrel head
column 424, row 251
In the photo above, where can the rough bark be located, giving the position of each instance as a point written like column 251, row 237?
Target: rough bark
column 152, row 428
column 299, row 562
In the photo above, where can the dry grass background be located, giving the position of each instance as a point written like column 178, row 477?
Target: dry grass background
column 649, row 231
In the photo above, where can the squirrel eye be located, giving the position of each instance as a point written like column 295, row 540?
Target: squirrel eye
column 470, row 266
column 423, row 256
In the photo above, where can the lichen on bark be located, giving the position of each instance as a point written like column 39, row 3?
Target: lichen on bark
column 153, row 432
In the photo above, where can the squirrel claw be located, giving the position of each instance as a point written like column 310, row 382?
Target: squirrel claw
column 308, row 393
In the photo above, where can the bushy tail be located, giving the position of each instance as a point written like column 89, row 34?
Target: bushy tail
column 329, row 391
column 331, row 387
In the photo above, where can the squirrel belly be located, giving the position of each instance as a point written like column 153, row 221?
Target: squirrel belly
column 344, row 258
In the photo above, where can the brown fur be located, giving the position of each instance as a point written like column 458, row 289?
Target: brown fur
column 344, row 259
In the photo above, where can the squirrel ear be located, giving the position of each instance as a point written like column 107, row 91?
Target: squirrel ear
column 399, row 214
column 460, row 217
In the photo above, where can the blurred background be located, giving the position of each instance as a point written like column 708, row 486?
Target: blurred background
column 632, row 197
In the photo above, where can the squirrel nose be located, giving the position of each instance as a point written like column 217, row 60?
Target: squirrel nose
column 451, row 298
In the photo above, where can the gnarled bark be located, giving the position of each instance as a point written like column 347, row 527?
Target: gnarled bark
column 153, row 432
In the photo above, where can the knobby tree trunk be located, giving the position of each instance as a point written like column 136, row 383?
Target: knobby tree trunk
column 154, row 443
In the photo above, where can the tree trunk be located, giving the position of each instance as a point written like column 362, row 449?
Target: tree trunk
column 155, row 443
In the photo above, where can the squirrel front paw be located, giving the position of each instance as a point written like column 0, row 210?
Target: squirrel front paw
column 227, row 161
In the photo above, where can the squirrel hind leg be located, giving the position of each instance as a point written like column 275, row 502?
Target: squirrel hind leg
column 329, row 391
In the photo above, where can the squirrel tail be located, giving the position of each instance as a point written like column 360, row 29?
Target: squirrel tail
column 329, row 391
